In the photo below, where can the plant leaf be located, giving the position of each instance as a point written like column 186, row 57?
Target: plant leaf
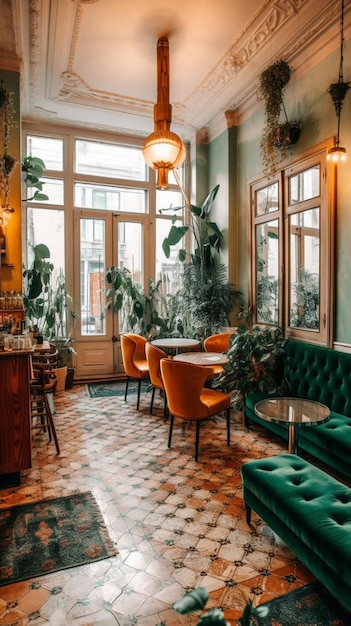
column 193, row 601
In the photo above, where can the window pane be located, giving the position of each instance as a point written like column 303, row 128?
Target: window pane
column 167, row 201
column 130, row 257
column 53, row 188
column 92, row 276
column 46, row 226
column 167, row 270
column 267, row 272
column 267, row 199
column 304, row 270
column 109, row 160
column 110, row 198
column 304, row 185
column 48, row 149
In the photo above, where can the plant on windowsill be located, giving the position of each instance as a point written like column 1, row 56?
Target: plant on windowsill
column 254, row 359
column 277, row 137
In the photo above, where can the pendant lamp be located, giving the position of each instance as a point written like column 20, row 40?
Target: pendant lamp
column 338, row 92
column 163, row 150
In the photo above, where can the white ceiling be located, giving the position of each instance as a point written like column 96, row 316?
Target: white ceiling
column 93, row 62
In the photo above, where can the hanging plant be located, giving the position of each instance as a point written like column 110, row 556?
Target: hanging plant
column 7, row 162
column 277, row 137
column 337, row 93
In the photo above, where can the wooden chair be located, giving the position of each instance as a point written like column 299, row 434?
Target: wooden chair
column 43, row 384
column 188, row 399
column 154, row 356
column 134, row 360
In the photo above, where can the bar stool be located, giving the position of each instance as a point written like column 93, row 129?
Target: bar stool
column 41, row 386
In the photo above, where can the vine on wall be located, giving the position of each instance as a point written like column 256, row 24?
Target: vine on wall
column 7, row 162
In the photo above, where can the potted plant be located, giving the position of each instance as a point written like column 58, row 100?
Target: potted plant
column 137, row 310
column 277, row 137
column 253, row 362
column 47, row 303
column 207, row 296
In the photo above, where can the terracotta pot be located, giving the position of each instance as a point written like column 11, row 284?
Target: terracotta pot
column 61, row 374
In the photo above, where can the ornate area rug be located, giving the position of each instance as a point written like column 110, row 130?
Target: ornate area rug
column 310, row 605
column 103, row 390
column 51, row 535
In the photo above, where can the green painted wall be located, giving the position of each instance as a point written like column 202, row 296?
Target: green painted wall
column 236, row 155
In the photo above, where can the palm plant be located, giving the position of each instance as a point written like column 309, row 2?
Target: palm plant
column 208, row 298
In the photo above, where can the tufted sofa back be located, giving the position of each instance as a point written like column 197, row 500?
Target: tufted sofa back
column 319, row 373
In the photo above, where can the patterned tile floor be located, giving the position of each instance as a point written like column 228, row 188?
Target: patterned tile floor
column 177, row 524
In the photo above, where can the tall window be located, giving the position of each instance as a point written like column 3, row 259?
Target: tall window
column 88, row 176
column 291, row 250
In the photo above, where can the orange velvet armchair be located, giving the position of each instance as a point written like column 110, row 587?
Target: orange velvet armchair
column 154, row 356
column 134, row 360
column 217, row 343
column 188, row 399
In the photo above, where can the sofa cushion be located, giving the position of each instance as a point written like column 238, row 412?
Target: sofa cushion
column 312, row 504
column 319, row 373
column 334, row 436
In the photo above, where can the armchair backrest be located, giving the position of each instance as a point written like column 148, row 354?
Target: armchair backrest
column 133, row 350
column 183, row 383
column 218, row 343
column 154, row 356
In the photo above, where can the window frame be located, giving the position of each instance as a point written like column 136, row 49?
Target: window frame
column 326, row 202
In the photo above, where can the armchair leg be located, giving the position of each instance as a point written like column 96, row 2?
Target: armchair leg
column 171, row 422
column 126, row 389
column 228, row 427
column 165, row 408
column 139, row 388
column 197, row 439
column 152, row 399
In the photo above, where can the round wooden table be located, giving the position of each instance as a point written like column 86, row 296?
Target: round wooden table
column 175, row 343
column 202, row 358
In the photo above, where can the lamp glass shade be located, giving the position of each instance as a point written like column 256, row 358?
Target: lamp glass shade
column 337, row 154
column 164, row 149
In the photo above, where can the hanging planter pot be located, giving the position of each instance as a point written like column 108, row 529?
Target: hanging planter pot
column 277, row 137
column 287, row 134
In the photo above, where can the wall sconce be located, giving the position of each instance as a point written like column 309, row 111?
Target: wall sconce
column 338, row 92
column 163, row 150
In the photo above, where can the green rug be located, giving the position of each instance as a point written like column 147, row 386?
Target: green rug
column 311, row 605
column 51, row 535
column 104, row 390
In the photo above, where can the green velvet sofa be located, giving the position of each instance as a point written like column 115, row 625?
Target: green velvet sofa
column 309, row 510
column 324, row 375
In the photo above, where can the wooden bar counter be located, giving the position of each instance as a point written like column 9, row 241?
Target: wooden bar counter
column 15, row 426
